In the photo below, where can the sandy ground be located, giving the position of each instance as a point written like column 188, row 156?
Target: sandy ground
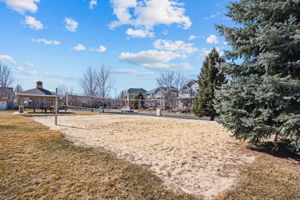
column 197, row 157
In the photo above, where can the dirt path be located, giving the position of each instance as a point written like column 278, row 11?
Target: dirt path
column 197, row 157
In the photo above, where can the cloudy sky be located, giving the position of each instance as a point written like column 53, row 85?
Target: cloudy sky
column 56, row 40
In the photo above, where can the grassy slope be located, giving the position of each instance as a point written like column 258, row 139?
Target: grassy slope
column 38, row 163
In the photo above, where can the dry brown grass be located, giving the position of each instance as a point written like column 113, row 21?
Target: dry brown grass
column 38, row 163
column 265, row 182
column 4, row 112
column 271, row 177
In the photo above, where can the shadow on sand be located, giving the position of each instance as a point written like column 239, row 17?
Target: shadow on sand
column 282, row 152
column 74, row 127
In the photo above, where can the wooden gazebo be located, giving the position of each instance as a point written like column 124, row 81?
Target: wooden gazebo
column 37, row 93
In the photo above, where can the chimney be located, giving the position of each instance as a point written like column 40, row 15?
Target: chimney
column 39, row 85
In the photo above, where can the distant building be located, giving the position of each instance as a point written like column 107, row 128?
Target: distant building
column 186, row 95
column 7, row 96
column 161, row 92
column 132, row 92
column 189, row 90
column 163, row 97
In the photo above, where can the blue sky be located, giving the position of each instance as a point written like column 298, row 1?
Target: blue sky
column 56, row 40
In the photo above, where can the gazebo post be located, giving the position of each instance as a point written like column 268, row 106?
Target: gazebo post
column 67, row 101
column 21, row 105
column 56, row 106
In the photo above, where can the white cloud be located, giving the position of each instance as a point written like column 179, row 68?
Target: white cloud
column 149, row 13
column 121, row 10
column 212, row 39
column 22, row 6
column 132, row 72
column 179, row 46
column 30, row 64
column 7, row 58
column 139, row 33
column 101, row 49
column 92, row 4
column 44, row 41
column 33, row 23
column 149, row 57
column 217, row 14
column 22, row 70
column 43, row 74
column 169, row 67
column 79, row 47
column 71, row 24
column 192, row 37
column 154, row 59
column 155, row 12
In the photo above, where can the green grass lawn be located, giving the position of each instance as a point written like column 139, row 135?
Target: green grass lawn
column 38, row 163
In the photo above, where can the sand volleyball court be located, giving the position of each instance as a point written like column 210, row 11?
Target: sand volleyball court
column 197, row 157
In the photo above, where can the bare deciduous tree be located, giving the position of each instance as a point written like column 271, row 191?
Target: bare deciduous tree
column 104, row 81
column 63, row 90
column 180, row 80
column 89, row 82
column 171, row 80
column 97, row 82
column 6, row 79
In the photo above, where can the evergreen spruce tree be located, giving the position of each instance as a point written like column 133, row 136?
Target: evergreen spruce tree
column 18, row 88
column 209, row 79
column 262, row 98
column 138, row 101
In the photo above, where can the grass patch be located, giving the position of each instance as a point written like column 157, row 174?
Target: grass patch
column 38, row 163
column 266, row 181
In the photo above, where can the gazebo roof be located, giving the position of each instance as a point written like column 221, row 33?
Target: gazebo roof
column 37, row 91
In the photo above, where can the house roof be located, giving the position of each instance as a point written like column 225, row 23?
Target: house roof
column 37, row 91
column 189, row 84
column 153, row 90
column 160, row 88
column 7, row 88
column 136, row 90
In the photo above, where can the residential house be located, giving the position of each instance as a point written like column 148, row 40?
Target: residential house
column 132, row 92
column 162, row 92
column 186, row 95
column 189, row 90
column 163, row 97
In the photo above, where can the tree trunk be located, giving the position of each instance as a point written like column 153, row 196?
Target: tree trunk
column 275, row 148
